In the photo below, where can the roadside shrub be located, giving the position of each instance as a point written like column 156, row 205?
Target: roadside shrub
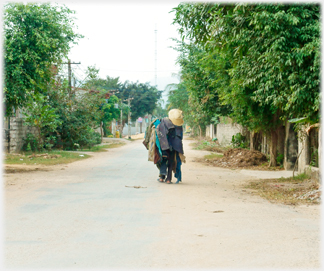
column 78, row 116
column 239, row 141
column 30, row 143
column 97, row 137
column 280, row 159
column 106, row 130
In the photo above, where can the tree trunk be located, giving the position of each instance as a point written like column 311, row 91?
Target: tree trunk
column 40, row 139
column 123, row 125
column 199, row 131
column 281, row 139
column 273, row 148
column 258, row 141
column 287, row 126
column 255, row 141
column 252, row 145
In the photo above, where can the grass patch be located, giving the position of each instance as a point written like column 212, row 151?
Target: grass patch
column 116, row 145
column 300, row 189
column 208, row 145
column 103, row 148
column 52, row 158
column 213, row 156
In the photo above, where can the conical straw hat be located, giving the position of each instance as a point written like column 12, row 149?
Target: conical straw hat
column 175, row 115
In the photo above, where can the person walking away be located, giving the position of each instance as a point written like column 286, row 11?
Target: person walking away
column 170, row 135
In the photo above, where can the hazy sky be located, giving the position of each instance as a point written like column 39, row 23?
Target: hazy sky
column 120, row 40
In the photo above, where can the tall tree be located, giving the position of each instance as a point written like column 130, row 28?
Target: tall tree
column 144, row 97
column 202, row 82
column 104, row 88
column 36, row 36
column 160, row 111
column 93, row 81
column 273, row 52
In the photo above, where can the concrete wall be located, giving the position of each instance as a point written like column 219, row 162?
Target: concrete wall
column 210, row 131
column 135, row 128
column 292, row 145
column 223, row 132
column 304, row 155
column 18, row 132
column 226, row 131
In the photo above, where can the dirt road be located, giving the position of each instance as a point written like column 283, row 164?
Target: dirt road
column 109, row 211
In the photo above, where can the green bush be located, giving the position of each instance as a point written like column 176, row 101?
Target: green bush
column 239, row 141
column 30, row 143
column 97, row 137
column 78, row 117
column 280, row 159
column 106, row 130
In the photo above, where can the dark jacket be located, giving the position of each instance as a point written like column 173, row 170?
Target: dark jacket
column 175, row 138
column 170, row 136
column 162, row 133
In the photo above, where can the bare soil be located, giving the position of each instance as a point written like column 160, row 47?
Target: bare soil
column 25, row 168
column 286, row 191
column 236, row 158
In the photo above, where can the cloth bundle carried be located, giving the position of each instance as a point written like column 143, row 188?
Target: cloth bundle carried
column 163, row 140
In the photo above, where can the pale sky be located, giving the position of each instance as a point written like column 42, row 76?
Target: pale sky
column 120, row 40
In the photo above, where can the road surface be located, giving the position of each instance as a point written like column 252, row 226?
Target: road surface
column 91, row 214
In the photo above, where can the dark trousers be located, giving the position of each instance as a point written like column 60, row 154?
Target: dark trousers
column 167, row 165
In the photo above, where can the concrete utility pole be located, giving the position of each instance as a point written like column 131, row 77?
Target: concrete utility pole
column 70, row 76
column 129, row 117
column 121, row 121
column 155, row 31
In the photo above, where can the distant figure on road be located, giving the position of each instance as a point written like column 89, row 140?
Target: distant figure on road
column 163, row 139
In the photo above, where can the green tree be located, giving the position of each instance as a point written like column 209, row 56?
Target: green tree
column 273, row 59
column 36, row 36
column 104, row 88
column 93, row 81
column 39, row 114
column 109, row 112
column 144, row 97
column 79, row 116
column 197, row 93
column 159, row 111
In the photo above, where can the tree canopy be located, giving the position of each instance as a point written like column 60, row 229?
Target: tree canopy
column 36, row 37
column 260, row 60
column 272, row 50
column 144, row 97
